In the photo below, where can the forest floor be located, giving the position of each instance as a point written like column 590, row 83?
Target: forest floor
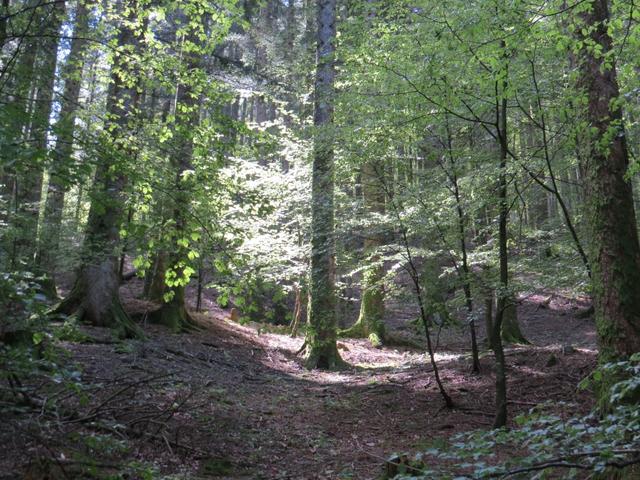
column 234, row 402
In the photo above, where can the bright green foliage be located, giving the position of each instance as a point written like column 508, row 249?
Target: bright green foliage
column 211, row 174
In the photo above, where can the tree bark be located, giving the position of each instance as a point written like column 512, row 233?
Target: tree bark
column 62, row 154
column 173, row 313
column 503, row 294
column 614, row 250
column 297, row 311
column 39, row 129
column 465, row 272
column 154, row 284
column 27, row 118
column 322, row 351
column 95, row 296
column 4, row 13
column 370, row 323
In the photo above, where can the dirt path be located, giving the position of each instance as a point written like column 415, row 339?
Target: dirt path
column 228, row 402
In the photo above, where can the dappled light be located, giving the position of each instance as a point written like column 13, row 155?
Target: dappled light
column 319, row 239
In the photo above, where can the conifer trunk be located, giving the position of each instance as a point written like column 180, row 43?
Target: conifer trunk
column 34, row 105
column 32, row 185
column 322, row 351
column 62, row 153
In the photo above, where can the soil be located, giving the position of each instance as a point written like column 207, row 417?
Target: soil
column 234, row 402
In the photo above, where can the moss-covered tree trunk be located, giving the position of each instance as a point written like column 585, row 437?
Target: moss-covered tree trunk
column 62, row 154
column 370, row 323
column 614, row 249
column 321, row 346
column 95, row 296
column 173, row 313
column 511, row 332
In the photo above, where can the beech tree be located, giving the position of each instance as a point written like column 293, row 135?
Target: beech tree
column 95, row 295
column 370, row 322
column 614, row 247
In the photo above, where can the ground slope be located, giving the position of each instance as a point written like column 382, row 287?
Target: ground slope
column 230, row 402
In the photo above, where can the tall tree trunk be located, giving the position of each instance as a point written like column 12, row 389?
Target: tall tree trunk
column 464, row 272
column 62, row 154
column 30, row 182
column 370, row 323
column 614, row 250
column 21, row 171
column 173, row 312
column 95, row 296
column 297, row 310
column 322, row 350
column 503, row 294
column 154, row 283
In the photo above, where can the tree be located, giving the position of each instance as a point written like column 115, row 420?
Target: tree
column 95, row 295
column 321, row 346
column 28, row 129
column 62, row 153
column 614, row 247
column 173, row 312
column 370, row 322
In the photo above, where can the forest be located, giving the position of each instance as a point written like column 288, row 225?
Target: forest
column 319, row 239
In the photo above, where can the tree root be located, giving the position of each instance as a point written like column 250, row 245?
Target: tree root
column 77, row 305
column 359, row 330
column 323, row 357
column 175, row 317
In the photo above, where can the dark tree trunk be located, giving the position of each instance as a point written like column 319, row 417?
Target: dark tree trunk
column 39, row 130
column 322, row 351
column 154, row 284
column 503, row 294
column 614, row 249
column 297, row 311
column 4, row 13
column 27, row 125
column 464, row 271
column 95, row 296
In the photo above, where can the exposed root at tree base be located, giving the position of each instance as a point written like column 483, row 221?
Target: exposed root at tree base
column 175, row 317
column 113, row 317
column 358, row 330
